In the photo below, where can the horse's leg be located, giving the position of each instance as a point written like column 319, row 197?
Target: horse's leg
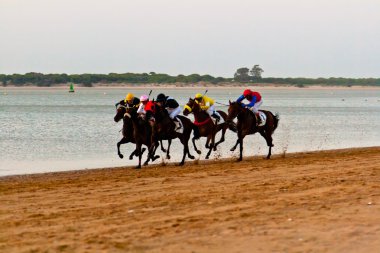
column 234, row 147
column 152, row 151
column 138, row 148
column 148, row 158
column 122, row 141
column 134, row 153
column 168, row 150
column 224, row 129
column 207, row 142
column 186, row 137
column 162, row 147
column 185, row 151
column 241, row 150
column 212, row 138
column 195, row 146
column 269, row 140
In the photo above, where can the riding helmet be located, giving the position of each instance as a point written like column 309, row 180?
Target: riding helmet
column 161, row 97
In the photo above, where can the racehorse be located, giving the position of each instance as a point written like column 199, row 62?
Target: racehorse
column 206, row 126
column 127, row 130
column 130, row 120
column 164, row 129
column 247, row 124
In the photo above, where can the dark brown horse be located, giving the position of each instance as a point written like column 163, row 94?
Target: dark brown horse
column 206, row 126
column 130, row 121
column 164, row 129
column 247, row 124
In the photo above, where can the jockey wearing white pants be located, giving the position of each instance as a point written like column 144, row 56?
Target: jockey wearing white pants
column 172, row 106
column 173, row 112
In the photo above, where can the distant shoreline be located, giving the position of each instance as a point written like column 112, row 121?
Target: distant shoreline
column 188, row 86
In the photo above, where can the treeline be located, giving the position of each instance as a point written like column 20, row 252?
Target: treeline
column 88, row 80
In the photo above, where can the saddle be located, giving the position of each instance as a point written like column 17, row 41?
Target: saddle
column 178, row 125
column 263, row 118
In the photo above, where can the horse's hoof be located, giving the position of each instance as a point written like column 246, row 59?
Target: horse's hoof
column 199, row 152
column 146, row 163
column 181, row 164
column 168, row 157
column 163, row 150
column 215, row 149
column 240, row 159
column 138, row 167
column 191, row 157
column 155, row 158
column 232, row 149
column 131, row 157
column 206, row 157
column 121, row 156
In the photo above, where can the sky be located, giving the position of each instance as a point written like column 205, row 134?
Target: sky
column 287, row 38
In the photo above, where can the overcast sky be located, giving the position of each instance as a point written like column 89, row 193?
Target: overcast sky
column 288, row 38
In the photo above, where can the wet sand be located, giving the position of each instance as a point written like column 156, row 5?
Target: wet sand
column 325, row 201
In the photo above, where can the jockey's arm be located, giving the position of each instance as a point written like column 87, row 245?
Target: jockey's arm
column 253, row 101
column 240, row 99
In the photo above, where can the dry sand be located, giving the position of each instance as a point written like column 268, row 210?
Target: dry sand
column 307, row 202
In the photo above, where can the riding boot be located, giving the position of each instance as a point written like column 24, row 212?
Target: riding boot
column 258, row 118
column 177, row 124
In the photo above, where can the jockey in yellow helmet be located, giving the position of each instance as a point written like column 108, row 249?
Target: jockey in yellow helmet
column 207, row 105
column 131, row 100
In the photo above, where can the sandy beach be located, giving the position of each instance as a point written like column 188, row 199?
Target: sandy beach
column 326, row 201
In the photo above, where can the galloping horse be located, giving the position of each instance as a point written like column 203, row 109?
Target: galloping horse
column 206, row 126
column 130, row 123
column 127, row 130
column 247, row 124
column 164, row 129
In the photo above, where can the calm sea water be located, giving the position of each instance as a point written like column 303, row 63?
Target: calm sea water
column 52, row 130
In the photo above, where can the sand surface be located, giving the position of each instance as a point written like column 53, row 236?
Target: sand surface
column 307, row 202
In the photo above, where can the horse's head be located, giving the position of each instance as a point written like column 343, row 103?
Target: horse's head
column 120, row 111
column 191, row 106
column 233, row 110
column 188, row 108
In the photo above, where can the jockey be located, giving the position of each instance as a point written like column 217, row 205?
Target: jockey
column 171, row 106
column 255, row 102
column 144, row 99
column 207, row 104
column 131, row 100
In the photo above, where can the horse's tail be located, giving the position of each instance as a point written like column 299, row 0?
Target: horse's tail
column 276, row 118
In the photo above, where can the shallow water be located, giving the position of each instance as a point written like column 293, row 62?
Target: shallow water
column 52, row 130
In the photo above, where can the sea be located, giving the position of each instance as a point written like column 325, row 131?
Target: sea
column 48, row 130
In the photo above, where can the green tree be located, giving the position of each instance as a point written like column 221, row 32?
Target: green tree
column 256, row 72
column 241, row 75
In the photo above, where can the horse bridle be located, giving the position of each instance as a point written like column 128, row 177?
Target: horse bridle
column 126, row 114
column 190, row 109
